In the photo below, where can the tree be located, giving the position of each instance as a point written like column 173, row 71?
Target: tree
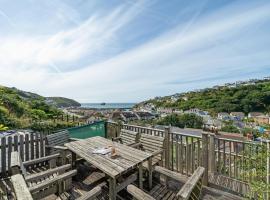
column 181, row 121
column 230, row 129
column 191, row 120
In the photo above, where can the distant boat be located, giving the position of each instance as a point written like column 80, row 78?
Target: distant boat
column 103, row 104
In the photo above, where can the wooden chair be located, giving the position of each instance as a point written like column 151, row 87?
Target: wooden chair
column 42, row 184
column 127, row 137
column 191, row 190
column 154, row 145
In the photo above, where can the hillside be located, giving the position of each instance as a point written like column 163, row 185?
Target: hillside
column 62, row 102
column 58, row 102
column 245, row 97
column 20, row 109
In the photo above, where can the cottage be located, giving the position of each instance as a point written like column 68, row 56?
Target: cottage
column 196, row 111
column 162, row 110
column 263, row 119
column 128, row 116
column 254, row 114
column 144, row 115
column 238, row 115
column 224, row 116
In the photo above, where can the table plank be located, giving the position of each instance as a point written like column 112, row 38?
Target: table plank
column 128, row 158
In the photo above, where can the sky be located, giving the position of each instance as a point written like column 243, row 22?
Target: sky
column 131, row 50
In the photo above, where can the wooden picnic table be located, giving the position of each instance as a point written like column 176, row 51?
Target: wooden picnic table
column 127, row 159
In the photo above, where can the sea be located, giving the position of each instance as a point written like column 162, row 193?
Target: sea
column 108, row 105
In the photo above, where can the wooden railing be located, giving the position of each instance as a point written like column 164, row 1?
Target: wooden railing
column 231, row 160
column 241, row 160
column 182, row 151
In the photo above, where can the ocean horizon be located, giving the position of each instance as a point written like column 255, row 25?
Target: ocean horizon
column 108, row 105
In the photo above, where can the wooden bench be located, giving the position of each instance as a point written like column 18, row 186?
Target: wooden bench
column 55, row 144
column 42, row 184
column 152, row 144
column 190, row 190
column 127, row 137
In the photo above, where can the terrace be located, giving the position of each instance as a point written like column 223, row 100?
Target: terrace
column 143, row 163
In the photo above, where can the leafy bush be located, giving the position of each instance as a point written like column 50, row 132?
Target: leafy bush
column 3, row 128
column 38, row 114
column 230, row 129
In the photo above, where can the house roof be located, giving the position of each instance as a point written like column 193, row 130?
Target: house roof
column 238, row 113
column 223, row 113
column 129, row 115
column 144, row 114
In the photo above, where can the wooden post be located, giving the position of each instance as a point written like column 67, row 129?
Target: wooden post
column 3, row 155
column 106, row 129
column 150, row 176
column 112, row 189
column 118, row 129
column 212, row 157
column 205, row 157
column 73, row 160
column 141, row 176
column 166, row 147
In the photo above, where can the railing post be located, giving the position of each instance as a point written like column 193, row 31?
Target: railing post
column 212, row 157
column 106, row 128
column 205, row 157
column 166, row 147
column 118, row 129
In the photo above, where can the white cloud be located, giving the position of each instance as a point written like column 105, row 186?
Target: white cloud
column 211, row 47
column 66, row 46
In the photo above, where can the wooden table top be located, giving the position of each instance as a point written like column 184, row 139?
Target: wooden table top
column 128, row 157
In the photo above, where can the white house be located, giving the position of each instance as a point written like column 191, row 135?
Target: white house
column 224, row 116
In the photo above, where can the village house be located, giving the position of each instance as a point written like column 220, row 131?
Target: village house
column 144, row 115
column 128, row 116
column 174, row 99
column 224, row 116
column 162, row 110
column 196, row 111
column 262, row 119
column 254, row 114
column 177, row 111
column 185, row 98
column 238, row 115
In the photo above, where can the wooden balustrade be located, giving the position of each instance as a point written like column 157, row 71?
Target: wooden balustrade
column 222, row 156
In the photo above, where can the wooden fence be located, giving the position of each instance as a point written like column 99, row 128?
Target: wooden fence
column 229, row 163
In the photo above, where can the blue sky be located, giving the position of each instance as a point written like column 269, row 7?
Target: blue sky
column 131, row 50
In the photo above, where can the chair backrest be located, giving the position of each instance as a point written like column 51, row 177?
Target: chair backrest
column 128, row 137
column 58, row 139
column 193, row 187
column 41, row 185
column 151, row 143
